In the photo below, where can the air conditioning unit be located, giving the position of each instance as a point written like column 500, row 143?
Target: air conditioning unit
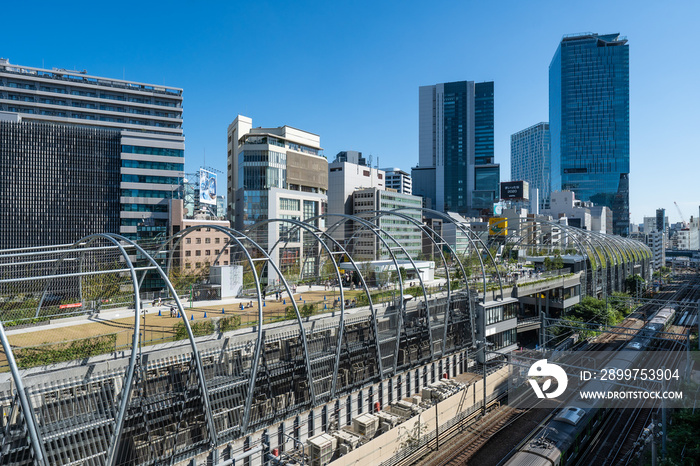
column 365, row 425
column 321, row 449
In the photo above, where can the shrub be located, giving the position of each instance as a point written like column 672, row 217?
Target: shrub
column 67, row 351
column 229, row 323
column 205, row 327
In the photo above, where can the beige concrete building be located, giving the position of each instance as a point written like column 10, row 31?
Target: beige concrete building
column 201, row 248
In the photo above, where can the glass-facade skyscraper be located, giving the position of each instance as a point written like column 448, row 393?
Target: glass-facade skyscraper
column 456, row 170
column 530, row 159
column 589, row 121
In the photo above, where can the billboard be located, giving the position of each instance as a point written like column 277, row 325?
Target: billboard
column 207, row 187
column 498, row 226
column 515, row 190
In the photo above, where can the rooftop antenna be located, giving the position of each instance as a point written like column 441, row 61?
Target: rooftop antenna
column 370, row 160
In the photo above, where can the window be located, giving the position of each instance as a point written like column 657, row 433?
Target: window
column 207, row 240
column 198, row 252
column 207, row 252
column 217, row 240
column 289, row 204
column 188, row 253
column 198, row 240
column 188, row 240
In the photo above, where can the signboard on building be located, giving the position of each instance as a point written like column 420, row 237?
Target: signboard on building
column 511, row 190
column 497, row 209
column 207, row 187
column 498, row 226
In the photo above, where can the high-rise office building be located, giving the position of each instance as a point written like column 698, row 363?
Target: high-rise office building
column 661, row 220
column 589, row 121
column 57, row 183
column 456, row 170
column 146, row 120
column 398, row 180
column 277, row 173
column 530, row 157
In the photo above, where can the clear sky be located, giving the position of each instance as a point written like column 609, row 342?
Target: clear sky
column 350, row 71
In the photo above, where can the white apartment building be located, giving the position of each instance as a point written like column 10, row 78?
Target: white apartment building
column 398, row 180
column 344, row 178
column 584, row 215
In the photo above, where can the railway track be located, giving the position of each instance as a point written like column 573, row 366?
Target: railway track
column 616, row 440
column 476, row 438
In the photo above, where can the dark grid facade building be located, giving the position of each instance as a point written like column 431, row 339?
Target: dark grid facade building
column 589, row 121
column 57, row 183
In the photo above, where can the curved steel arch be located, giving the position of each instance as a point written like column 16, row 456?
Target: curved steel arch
column 193, row 344
column 571, row 232
column 30, row 416
column 231, row 233
column 471, row 237
column 425, row 229
column 375, row 229
column 314, row 231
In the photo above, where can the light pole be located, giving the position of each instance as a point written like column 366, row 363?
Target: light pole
column 483, row 345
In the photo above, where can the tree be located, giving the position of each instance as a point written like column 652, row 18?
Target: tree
column 558, row 262
column 634, row 284
column 590, row 310
column 547, row 263
column 403, row 273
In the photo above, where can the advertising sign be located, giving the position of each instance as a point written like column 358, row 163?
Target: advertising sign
column 207, row 187
column 515, row 190
column 498, row 226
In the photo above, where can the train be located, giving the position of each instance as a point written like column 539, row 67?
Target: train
column 560, row 441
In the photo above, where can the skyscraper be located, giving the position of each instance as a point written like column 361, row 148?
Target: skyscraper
column 530, row 159
column 143, row 123
column 661, row 220
column 456, row 170
column 589, row 121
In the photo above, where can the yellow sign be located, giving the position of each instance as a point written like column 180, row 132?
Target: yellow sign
column 498, row 226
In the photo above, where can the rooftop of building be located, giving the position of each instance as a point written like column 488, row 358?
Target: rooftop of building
column 74, row 76
column 544, row 124
column 608, row 39
column 395, row 170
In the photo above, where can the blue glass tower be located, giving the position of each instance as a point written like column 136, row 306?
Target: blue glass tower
column 456, row 170
column 589, row 121
column 530, row 159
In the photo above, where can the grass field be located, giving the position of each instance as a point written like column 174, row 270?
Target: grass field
column 160, row 328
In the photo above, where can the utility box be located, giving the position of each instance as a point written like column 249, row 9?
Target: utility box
column 365, row 425
column 321, row 449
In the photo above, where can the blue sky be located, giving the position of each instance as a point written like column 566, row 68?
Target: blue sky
column 350, row 71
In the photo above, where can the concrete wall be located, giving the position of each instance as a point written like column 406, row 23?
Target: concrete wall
column 390, row 443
